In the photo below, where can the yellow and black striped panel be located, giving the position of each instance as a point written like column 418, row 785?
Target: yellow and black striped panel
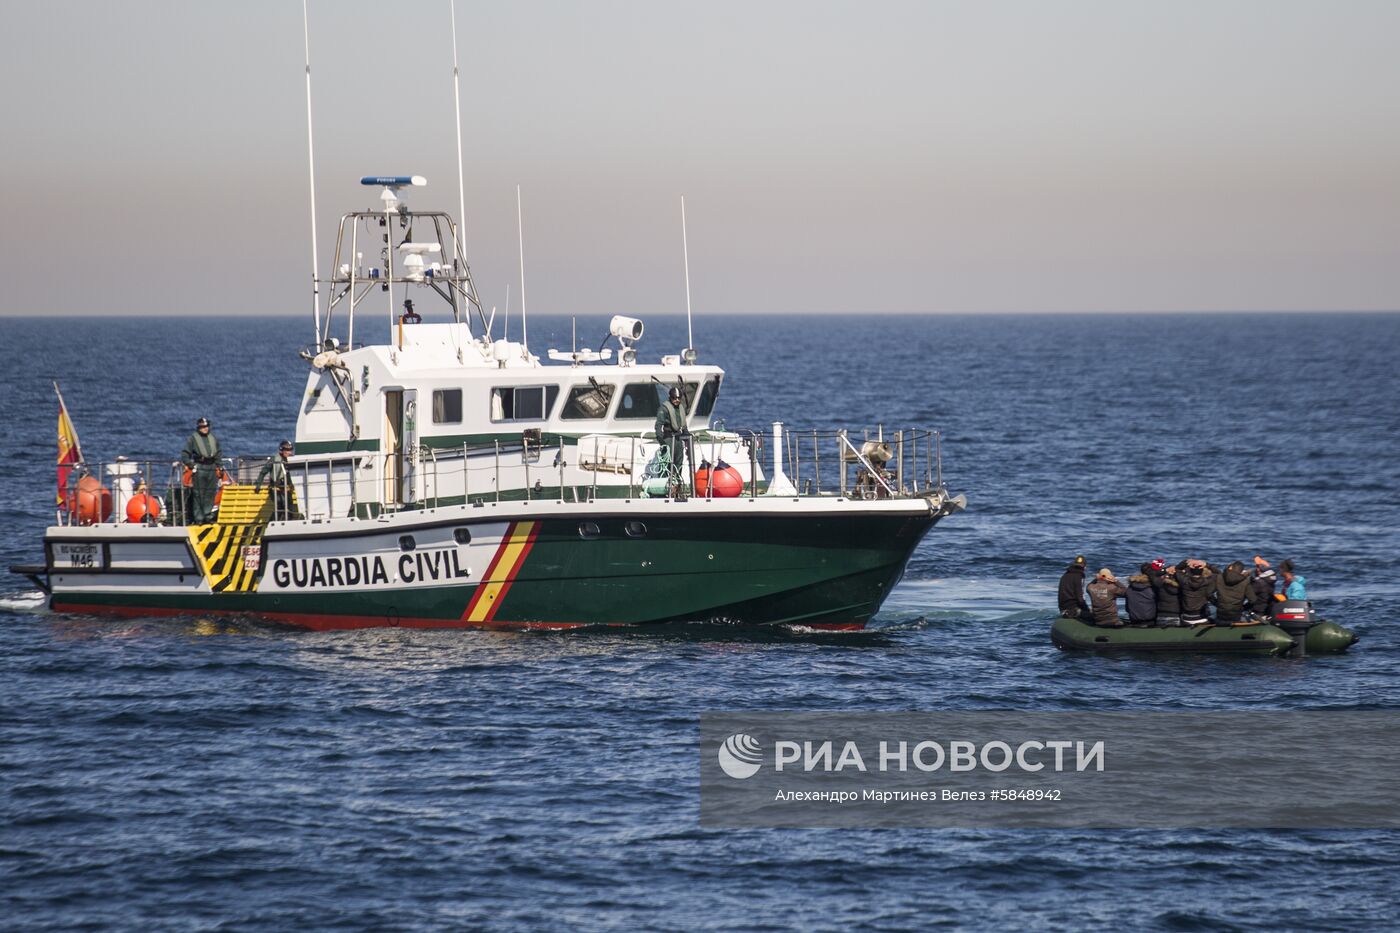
column 241, row 505
column 221, row 552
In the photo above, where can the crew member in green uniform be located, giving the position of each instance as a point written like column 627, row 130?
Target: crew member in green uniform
column 284, row 507
column 202, row 455
column 671, row 431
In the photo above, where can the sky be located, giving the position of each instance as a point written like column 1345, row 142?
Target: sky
column 927, row 156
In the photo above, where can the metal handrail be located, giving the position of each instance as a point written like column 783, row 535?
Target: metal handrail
column 323, row 484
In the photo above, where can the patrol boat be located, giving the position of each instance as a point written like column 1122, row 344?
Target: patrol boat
column 444, row 476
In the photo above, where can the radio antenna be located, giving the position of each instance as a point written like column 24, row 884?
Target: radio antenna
column 524, row 319
column 311, row 168
column 461, row 233
column 685, row 249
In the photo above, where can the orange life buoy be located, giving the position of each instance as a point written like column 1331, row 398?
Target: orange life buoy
column 141, row 507
column 727, row 482
column 94, row 501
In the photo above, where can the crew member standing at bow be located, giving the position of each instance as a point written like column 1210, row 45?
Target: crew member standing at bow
column 279, row 483
column 671, row 431
column 201, row 455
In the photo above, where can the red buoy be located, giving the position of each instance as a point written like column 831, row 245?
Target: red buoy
column 141, row 507
column 728, row 484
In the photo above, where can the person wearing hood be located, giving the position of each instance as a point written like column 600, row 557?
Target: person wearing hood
column 1261, row 587
column 1295, row 585
column 1166, row 589
column 1071, row 597
column 1197, row 581
column 1232, row 592
column 1103, row 594
column 1142, row 598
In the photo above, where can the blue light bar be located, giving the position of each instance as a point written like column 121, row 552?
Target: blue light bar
column 393, row 181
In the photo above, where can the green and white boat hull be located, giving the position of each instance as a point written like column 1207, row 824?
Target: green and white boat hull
column 823, row 562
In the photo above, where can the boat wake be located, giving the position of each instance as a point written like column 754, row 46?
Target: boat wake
column 33, row 602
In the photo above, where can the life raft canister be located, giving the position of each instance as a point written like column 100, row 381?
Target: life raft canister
column 93, row 501
column 727, row 482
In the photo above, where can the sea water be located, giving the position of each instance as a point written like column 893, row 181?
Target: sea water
column 189, row 773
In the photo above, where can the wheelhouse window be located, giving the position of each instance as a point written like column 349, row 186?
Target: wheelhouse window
column 707, row 397
column 588, row 402
column 447, row 406
column 522, row 403
column 640, row 400
column 644, row 399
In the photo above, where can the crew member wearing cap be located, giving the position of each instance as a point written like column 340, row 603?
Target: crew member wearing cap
column 1104, row 593
column 1071, row 596
column 671, row 431
column 279, row 483
column 201, row 455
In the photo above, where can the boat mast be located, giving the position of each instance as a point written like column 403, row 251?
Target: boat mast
column 311, row 168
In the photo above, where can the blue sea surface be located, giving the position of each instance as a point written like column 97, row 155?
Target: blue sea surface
column 199, row 774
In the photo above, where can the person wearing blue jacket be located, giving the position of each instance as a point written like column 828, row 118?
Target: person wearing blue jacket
column 1295, row 585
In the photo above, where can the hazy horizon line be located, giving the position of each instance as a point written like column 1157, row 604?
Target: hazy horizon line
column 1194, row 312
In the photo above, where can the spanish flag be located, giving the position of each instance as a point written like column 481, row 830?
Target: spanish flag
column 68, row 451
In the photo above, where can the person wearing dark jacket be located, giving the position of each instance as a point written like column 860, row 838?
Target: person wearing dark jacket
column 1166, row 589
column 1071, row 597
column 1197, row 580
column 1141, row 600
column 201, row 456
column 1232, row 588
column 1103, row 595
column 1261, row 584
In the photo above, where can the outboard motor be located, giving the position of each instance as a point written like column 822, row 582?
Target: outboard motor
column 1295, row 616
column 1310, row 634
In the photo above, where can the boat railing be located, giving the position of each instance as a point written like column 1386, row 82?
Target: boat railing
column 866, row 464
column 102, row 492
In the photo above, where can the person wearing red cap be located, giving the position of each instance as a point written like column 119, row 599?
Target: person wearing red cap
column 1167, row 590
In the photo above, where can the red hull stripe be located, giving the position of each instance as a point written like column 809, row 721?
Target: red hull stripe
column 515, row 571
column 505, row 564
column 490, row 569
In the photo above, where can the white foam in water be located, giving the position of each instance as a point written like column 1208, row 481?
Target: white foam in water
column 33, row 601
column 978, row 597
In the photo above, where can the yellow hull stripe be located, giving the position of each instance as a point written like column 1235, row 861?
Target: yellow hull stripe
column 499, row 575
